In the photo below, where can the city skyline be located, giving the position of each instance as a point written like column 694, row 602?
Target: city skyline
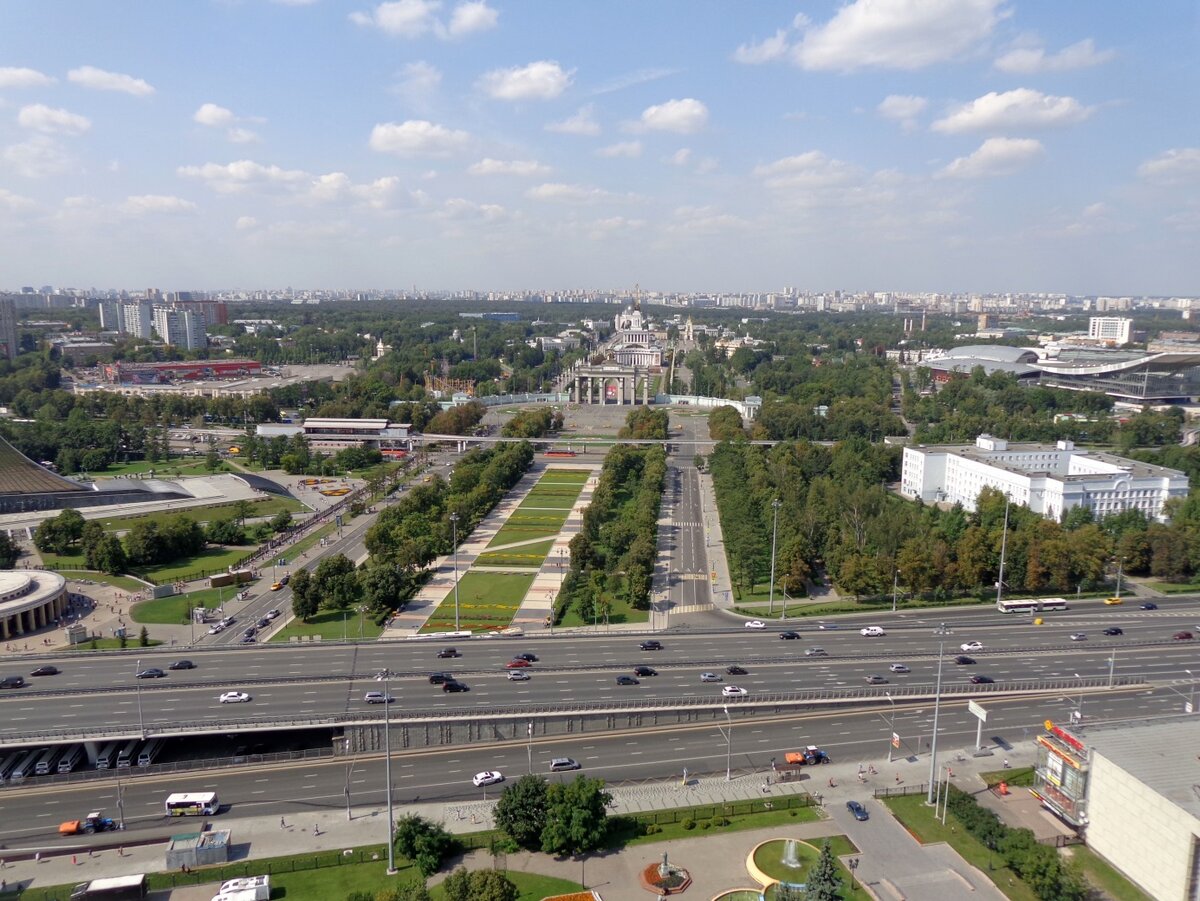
column 951, row 145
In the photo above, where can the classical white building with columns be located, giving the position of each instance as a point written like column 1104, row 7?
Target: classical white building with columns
column 30, row 600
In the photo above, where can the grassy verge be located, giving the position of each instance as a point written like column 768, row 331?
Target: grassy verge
column 332, row 625
column 485, row 601
column 919, row 820
column 210, row 560
column 84, row 575
column 1175, row 587
column 621, row 611
column 1103, row 876
column 173, row 610
column 266, row 507
column 741, row 815
column 174, row 467
column 303, row 545
column 522, row 555
column 522, row 526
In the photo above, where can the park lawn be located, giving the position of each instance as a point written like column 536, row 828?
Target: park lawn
column 63, row 561
column 214, row 513
column 303, row 545
column 86, row 575
column 919, row 820
column 523, row 555
column 175, row 466
column 485, row 601
column 620, row 611
column 574, row 476
column 173, row 610
column 531, row 886
column 535, row 524
column 1101, row 874
column 210, row 560
column 1175, row 587
column 332, row 625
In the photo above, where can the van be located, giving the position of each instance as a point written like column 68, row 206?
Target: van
column 559, row 764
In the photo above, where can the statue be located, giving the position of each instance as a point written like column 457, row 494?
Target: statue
column 664, row 869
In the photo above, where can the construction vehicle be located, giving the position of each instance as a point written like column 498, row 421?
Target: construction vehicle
column 810, row 756
column 93, row 822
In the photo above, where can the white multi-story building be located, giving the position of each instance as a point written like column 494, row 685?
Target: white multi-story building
column 180, row 328
column 138, row 320
column 1113, row 329
column 1048, row 479
column 8, row 329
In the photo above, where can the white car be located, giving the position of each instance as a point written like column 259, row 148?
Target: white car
column 488, row 777
column 872, row 631
column 517, row 675
column 756, row 624
column 709, row 677
column 234, row 697
column 971, row 646
column 216, row 629
column 733, row 691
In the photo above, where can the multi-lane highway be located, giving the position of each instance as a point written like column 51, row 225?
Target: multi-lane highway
column 99, row 692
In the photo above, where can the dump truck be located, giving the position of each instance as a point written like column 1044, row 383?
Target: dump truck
column 112, row 888
column 810, row 756
column 93, row 822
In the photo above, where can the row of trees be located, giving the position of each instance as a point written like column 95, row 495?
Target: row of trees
column 560, row 818
column 646, row 422
column 532, row 422
column 613, row 555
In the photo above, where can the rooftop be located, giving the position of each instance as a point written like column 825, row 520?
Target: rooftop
column 1162, row 754
column 20, row 475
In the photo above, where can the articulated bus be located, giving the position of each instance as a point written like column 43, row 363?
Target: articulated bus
column 1031, row 605
column 128, row 754
column 201, row 804
column 106, row 758
column 150, row 752
column 70, row 759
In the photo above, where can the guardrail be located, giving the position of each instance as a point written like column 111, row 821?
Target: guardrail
column 400, row 719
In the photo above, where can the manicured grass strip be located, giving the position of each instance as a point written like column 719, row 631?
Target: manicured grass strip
column 332, row 625
column 578, row 476
column 173, row 610
column 266, row 507
column 620, row 612
column 1103, row 876
column 123, row 582
column 485, row 601
column 919, row 820
column 174, row 466
column 303, row 544
column 208, row 561
column 523, row 555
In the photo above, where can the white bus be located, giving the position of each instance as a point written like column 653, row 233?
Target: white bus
column 48, row 761
column 7, row 764
column 1031, row 605
column 150, row 752
column 25, row 767
column 128, row 754
column 200, row 804
column 70, row 759
column 107, row 756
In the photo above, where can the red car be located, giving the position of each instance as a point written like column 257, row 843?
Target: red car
column 517, row 663
column 1183, row 636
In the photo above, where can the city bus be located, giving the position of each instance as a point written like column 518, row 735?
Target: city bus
column 70, row 759
column 150, row 752
column 127, row 754
column 201, row 804
column 48, row 761
column 107, row 755
column 8, row 763
column 1031, row 605
column 25, row 767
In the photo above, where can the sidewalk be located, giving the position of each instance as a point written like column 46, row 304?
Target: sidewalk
column 714, row 544
column 717, row 861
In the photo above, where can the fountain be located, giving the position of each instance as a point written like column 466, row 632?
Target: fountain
column 790, row 856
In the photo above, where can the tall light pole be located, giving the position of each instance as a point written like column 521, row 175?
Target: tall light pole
column 1003, row 551
column 1079, row 709
column 895, row 586
column 891, row 724
column 454, row 541
column 387, row 768
column 529, row 746
column 728, row 743
column 941, row 631
column 141, row 722
column 776, row 504
column 1112, row 667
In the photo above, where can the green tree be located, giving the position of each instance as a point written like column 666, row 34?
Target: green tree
column 144, row 638
column 58, row 534
column 336, row 582
column 824, row 883
column 281, row 521
column 425, row 843
column 9, row 551
column 479, row 885
column 109, row 556
column 212, row 459
column 409, row 891
column 305, row 599
column 225, row 531
column 576, row 816
column 243, row 510
column 521, row 810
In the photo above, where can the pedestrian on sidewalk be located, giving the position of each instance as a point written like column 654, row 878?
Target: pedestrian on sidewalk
column 899, row 781
column 282, row 824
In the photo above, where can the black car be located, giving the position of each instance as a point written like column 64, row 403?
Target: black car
column 152, row 673
column 789, row 635
column 645, row 671
column 627, row 680
column 286, row 578
column 735, row 670
column 964, row 660
column 982, row 680
column 531, row 658
column 263, row 623
column 651, row 645
column 440, row 678
column 249, row 639
column 1150, row 606
column 46, row 671
column 860, row 812
column 182, row 664
column 250, row 632
column 12, row 682
column 453, row 685
column 448, row 652
column 1115, row 630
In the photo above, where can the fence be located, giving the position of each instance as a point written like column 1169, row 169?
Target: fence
column 731, row 809
column 898, row 791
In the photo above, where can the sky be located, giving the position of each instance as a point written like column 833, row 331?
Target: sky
column 679, row 145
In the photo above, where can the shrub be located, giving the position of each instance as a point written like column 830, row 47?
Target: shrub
column 688, row 824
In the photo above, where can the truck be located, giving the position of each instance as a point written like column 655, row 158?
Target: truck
column 247, row 888
column 237, row 577
column 810, row 756
column 112, row 888
column 93, row 822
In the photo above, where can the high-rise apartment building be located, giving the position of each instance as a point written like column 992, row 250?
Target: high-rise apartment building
column 8, row 328
column 112, row 316
column 138, row 320
column 180, row 328
column 1114, row 329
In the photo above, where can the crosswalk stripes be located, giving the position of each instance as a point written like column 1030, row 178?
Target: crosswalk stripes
column 692, row 608
column 693, row 525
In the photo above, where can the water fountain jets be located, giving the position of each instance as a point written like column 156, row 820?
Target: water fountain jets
column 790, row 856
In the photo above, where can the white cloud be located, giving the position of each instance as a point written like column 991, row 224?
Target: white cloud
column 706, row 220
column 143, row 204
column 582, row 123
column 543, row 80
column 242, row 174
column 615, row 224
column 629, row 149
column 811, row 169
column 416, row 137
column 632, row 79
column 401, row 18
column 1173, row 166
column 556, row 191
column 1031, row 60
column 242, row 136
column 469, row 18
column 681, row 157
column 902, row 108
column 328, row 188
column 418, row 80
column 212, row 115
column 995, row 156
column 245, row 222
column 897, row 34
column 765, row 51
column 489, row 166
column 100, row 80
column 1020, row 108
column 379, row 193
column 14, row 203
column 47, row 119
column 683, row 116
column 20, row 77
column 459, row 208
column 36, row 158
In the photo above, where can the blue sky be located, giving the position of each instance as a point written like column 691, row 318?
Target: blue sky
column 915, row 145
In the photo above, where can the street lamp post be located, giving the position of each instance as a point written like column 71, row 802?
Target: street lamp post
column 454, row 541
column 1112, row 667
column 728, row 744
column 141, row 722
column 1079, row 709
column 895, row 586
column 941, row 632
column 387, row 768
column 775, row 504
column 529, row 746
column 891, row 724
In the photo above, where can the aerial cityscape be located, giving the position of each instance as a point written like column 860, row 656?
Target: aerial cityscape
column 456, row 450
